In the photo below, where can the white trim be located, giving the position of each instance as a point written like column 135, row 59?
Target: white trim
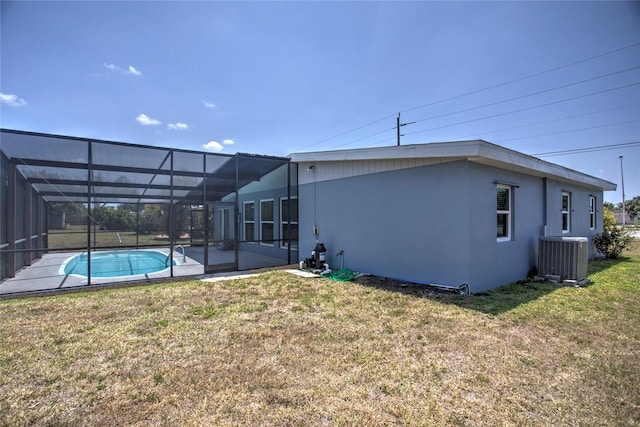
column 272, row 222
column 508, row 212
column 20, row 241
column 566, row 212
column 592, row 212
column 478, row 151
column 225, row 216
column 282, row 223
column 4, row 245
column 245, row 222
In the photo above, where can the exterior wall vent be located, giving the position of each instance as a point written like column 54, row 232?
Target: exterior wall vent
column 567, row 257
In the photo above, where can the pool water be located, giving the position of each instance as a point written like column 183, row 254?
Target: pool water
column 117, row 263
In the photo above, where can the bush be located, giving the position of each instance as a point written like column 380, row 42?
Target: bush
column 111, row 219
column 612, row 241
column 609, row 219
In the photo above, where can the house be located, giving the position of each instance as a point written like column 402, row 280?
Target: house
column 624, row 219
column 444, row 213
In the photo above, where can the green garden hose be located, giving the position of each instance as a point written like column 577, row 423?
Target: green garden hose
column 342, row 275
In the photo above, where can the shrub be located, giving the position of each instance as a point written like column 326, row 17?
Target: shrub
column 108, row 218
column 609, row 219
column 612, row 241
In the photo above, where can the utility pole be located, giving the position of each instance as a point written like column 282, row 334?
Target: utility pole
column 398, row 125
column 623, row 210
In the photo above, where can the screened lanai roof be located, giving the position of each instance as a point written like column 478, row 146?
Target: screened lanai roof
column 72, row 169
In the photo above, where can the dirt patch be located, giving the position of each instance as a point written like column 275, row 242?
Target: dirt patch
column 402, row 287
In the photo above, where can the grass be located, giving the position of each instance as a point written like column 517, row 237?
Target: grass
column 75, row 236
column 280, row 350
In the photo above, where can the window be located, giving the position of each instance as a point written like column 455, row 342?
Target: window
column 266, row 222
column 249, row 222
column 289, row 224
column 592, row 212
column 503, row 202
column 566, row 212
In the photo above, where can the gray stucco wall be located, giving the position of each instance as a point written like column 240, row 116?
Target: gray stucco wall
column 580, row 226
column 437, row 223
column 494, row 263
column 410, row 224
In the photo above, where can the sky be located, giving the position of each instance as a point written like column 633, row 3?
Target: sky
column 281, row 77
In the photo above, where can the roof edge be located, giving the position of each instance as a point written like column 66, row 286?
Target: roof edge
column 477, row 150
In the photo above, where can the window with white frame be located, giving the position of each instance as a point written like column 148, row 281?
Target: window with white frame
column 503, row 203
column 289, row 222
column 592, row 212
column 566, row 212
column 266, row 222
column 249, row 212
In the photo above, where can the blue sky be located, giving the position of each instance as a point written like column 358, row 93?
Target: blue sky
column 281, row 77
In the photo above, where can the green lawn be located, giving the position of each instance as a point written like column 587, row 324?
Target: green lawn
column 76, row 237
column 281, row 350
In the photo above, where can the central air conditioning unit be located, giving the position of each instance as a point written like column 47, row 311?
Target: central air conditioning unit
column 567, row 257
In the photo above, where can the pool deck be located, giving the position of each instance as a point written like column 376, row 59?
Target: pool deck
column 43, row 275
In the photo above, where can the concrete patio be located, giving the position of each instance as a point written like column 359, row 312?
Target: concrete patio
column 44, row 276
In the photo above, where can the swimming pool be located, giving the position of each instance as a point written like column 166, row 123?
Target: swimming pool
column 117, row 263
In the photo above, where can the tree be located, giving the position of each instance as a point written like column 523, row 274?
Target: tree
column 632, row 207
column 155, row 218
column 133, row 207
column 181, row 222
column 108, row 218
column 152, row 218
column 57, row 208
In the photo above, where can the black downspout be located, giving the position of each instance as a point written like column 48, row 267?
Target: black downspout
column 205, row 212
column 89, row 191
column 11, row 220
column 171, row 218
column 544, row 206
column 288, row 213
column 236, row 216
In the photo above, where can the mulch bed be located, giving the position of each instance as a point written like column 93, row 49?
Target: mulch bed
column 402, row 287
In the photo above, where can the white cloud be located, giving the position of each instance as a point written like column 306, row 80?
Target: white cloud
column 133, row 71
column 228, row 142
column 208, row 104
column 112, row 67
column 12, row 100
column 130, row 70
column 178, row 126
column 213, row 146
column 145, row 120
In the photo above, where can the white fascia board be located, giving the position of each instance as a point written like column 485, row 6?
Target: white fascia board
column 431, row 150
column 476, row 151
column 505, row 158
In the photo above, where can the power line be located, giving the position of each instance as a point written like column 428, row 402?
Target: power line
column 364, row 137
column 529, row 94
column 474, row 92
column 546, row 121
column 523, row 78
column 588, row 149
column 571, row 130
column 526, row 108
column 347, row 132
column 493, row 115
